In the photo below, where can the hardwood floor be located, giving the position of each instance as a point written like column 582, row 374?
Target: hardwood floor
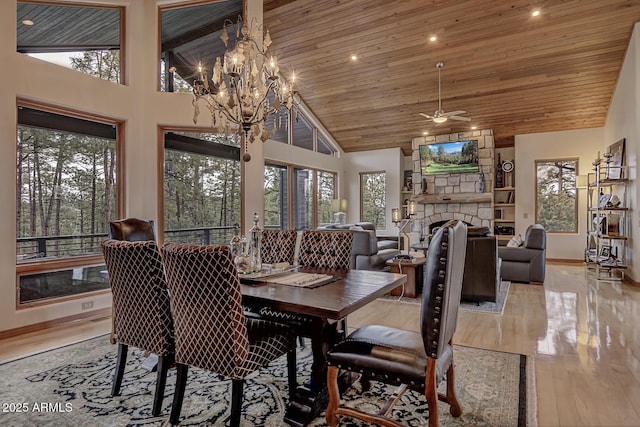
column 583, row 335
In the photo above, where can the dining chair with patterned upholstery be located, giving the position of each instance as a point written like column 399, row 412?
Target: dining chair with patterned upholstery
column 278, row 246
column 411, row 360
column 326, row 249
column 212, row 331
column 319, row 249
column 130, row 230
column 142, row 315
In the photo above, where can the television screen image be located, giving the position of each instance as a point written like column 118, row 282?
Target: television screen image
column 449, row 157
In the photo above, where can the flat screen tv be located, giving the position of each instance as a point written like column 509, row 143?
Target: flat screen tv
column 449, row 157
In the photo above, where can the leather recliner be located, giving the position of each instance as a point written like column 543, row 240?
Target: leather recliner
column 526, row 263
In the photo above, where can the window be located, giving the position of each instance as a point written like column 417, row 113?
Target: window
column 312, row 192
column 326, row 193
column 67, row 192
column 202, row 193
column 81, row 37
column 556, row 206
column 373, row 202
column 276, row 196
column 184, row 47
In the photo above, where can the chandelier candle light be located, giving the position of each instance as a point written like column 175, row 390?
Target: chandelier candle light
column 238, row 94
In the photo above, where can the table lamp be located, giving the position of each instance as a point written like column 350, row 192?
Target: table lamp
column 402, row 224
column 339, row 209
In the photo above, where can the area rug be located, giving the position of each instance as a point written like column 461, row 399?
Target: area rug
column 71, row 386
column 484, row 306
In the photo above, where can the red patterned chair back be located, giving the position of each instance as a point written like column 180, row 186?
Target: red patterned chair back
column 326, row 249
column 211, row 331
column 278, row 246
column 141, row 303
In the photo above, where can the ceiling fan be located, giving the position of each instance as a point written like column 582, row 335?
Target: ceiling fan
column 440, row 116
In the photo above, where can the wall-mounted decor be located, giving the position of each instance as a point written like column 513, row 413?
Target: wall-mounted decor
column 616, row 160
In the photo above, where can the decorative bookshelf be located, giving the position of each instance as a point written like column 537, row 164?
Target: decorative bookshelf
column 608, row 217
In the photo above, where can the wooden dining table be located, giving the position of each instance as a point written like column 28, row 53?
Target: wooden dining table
column 324, row 304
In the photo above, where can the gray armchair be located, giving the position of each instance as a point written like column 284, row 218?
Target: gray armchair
column 526, row 263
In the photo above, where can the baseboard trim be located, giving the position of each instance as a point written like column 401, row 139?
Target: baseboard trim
column 562, row 261
column 88, row 316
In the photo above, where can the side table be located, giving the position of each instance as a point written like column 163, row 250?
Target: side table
column 413, row 270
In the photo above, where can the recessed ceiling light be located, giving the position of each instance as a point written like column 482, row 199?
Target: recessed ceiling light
column 27, row 22
column 474, row 127
column 354, row 57
column 535, row 13
column 426, row 132
column 433, row 38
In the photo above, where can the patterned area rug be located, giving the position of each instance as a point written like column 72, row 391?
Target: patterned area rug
column 485, row 306
column 71, row 386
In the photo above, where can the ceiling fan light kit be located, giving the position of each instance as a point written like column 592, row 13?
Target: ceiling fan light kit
column 440, row 116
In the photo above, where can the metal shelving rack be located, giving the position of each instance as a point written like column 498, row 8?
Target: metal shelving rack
column 607, row 220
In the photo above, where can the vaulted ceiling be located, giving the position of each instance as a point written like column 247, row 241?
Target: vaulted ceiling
column 510, row 71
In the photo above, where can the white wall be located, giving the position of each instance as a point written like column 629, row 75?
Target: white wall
column 391, row 161
column 623, row 121
column 582, row 144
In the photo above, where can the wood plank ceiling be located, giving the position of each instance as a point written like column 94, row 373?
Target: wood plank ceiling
column 509, row 71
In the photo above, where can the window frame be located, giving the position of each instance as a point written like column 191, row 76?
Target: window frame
column 122, row 30
column 162, row 130
column 576, row 203
column 361, row 205
column 36, row 266
column 290, row 200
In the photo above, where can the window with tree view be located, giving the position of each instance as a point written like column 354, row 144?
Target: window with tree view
column 202, row 193
column 556, row 204
column 82, row 37
column 373, row 202
column 66, row 194
column 310, row 197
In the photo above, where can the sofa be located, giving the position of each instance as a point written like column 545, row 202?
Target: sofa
column 369, row 251
column 526, row 263
column 481, row 280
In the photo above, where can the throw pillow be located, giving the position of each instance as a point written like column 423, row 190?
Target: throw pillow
column 515, row 242
column 356, row 227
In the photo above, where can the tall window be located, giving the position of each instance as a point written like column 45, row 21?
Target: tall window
column 81, row 37
column 556, row 205
column 310, row 199
column 276, row 196
column 66, row 194
column 326, row 193
column 373, row 203
column 202, row 194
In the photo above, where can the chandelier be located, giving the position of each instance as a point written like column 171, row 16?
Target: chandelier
column 245, row 88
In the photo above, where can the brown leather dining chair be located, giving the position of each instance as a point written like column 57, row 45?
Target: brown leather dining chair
column 142, row 315
column 410, row 360
column 212, row 331
column 132, row 230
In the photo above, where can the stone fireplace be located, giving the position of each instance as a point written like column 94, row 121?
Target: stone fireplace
column 455, row 196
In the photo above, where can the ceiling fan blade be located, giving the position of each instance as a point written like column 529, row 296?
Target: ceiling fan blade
column 453, row 113
column 464, row 119
column 426, row 116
